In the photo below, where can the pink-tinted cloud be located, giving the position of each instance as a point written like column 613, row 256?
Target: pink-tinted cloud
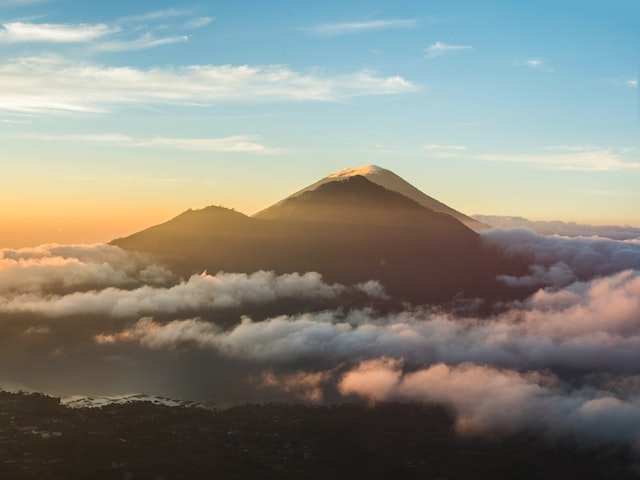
column 489, row 400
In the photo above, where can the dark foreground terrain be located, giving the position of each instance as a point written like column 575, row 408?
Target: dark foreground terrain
column 40, row 439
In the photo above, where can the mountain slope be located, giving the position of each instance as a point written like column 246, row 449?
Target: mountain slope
column 350, row 231
column 388, row 180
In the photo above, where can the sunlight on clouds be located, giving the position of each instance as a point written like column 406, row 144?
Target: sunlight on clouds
column 444, row 151
column 34, row 104
column 16, row 32
column 486, row 399
column 590, row 160
column 587, row 158
column 306, row 386
column 53, row 83
column 235, row 143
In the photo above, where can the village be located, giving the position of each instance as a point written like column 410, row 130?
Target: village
column 42, row 439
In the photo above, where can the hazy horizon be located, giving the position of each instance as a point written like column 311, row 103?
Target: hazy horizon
column 119, row 116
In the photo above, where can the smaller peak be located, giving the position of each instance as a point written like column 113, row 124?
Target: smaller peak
column 363, row 170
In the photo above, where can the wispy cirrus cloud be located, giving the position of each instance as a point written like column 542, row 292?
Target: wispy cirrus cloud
column 116, row 37
column 17, row 3
column 233, row 143
column 534, row 63
column 591, row 159
column 440, row 49
column 53, row 84
column 156, row 15
column 586, row 158
column 148, row 40
column 343, row 28
column 20, row 32
column 198, row 22
column 443, row 150
column 432, row 146
column 236, row 143
column 624, row 82
column 585, row 161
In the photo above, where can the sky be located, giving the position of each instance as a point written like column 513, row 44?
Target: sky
column 115, row 116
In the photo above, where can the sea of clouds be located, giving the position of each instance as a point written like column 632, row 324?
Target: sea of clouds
column 95, row 319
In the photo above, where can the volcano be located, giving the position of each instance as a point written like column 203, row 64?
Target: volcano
column 349, row 228
column 387, row 179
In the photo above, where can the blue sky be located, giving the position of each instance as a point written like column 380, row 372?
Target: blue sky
column 130, row 112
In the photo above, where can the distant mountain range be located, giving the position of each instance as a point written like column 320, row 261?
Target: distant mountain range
column 346, row 226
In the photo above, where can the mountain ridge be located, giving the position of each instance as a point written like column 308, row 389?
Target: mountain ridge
column 350, row 231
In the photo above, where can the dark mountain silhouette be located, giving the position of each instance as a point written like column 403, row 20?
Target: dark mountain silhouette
column 350, row 231
column 388, row 180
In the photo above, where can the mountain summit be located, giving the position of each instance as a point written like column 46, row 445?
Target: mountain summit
column 387, row 179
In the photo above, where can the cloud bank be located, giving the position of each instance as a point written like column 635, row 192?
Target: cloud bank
column 564, row 361
column 501, row 401
column 558, row 261
column 564, row 229
column 53, row 268
column 199, row 293
column 587, row 326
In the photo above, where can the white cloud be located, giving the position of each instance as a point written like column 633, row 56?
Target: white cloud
column 200, row 292
column 18, row 32
column 198, row 22
column 537, row 63
column 555, row 157
column 572, row 148
column 113, row 138
column 439, row 49
column 623, row 82
column 431, row 146
column 495, row 372
column 335, row 29
column 11, row 3
column 52, row 84
column 584, row 258
column 156, row 15
column 566, row 229
column 234, row 143
column 584, row 326
column 443, row 150
column 144, row 42
column 54, row 268
column 237, row 143
column 602, row 159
